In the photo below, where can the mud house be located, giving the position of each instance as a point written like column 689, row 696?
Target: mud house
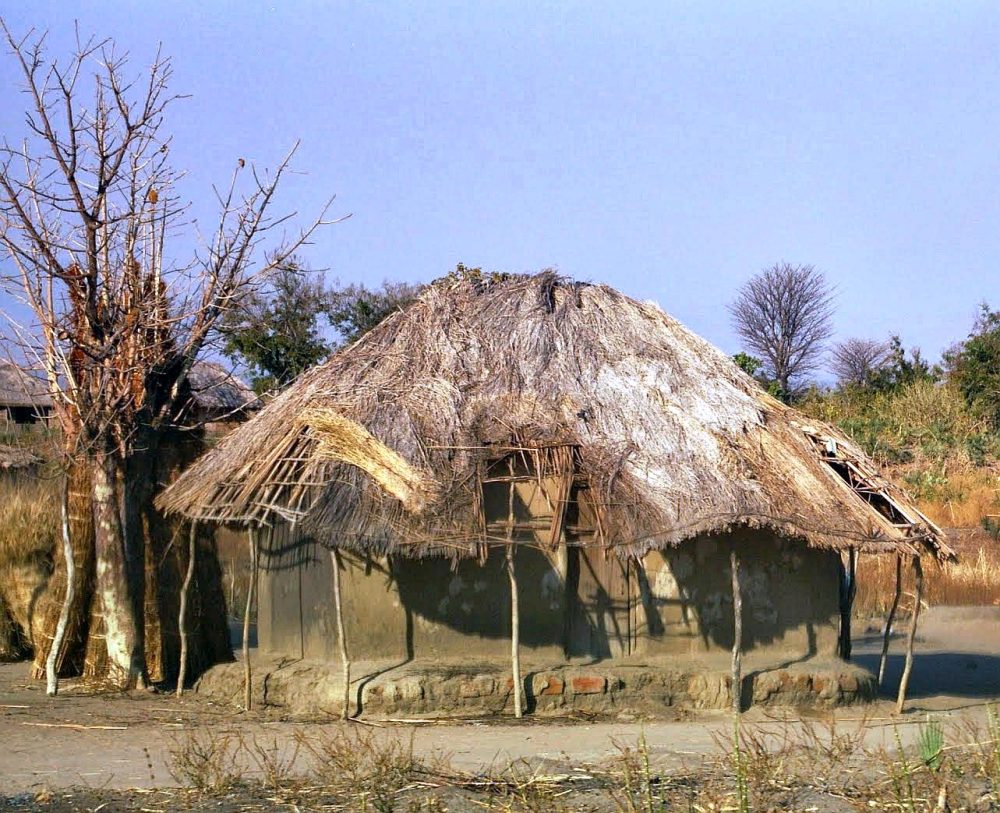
column 563, row 443
column 24, row 398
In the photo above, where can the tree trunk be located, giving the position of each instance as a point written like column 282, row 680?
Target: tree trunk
column 70, row 659
column 123, row 629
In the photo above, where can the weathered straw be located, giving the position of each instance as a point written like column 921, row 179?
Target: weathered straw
column 671, row 438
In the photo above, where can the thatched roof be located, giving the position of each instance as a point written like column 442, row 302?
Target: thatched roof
column 19, row 388
column 383, row 447
column 217, row 393
column 15, row 457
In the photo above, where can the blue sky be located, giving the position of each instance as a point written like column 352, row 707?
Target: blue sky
column 669, row 149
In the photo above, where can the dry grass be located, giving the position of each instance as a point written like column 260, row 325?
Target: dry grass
column 973, row 580
column 29, row 524
column 798, row 765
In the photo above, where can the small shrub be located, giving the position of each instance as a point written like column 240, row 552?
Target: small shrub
column 206, row 762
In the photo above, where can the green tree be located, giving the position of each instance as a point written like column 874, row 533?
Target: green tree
column 278, row 330
column 356, row 309
column 975, row 366
column 296, row 321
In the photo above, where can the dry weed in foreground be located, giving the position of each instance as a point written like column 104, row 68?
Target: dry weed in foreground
column 207, row 762
column 784, row 765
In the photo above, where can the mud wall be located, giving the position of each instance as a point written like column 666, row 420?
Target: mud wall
column 573, row 603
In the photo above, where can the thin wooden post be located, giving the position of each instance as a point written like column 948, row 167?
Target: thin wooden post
column 515, row 616
column 52, row 661
column 251, row 591
column 182, row 612
column 891, row 619
column 737, row 675
column 918, row 578
column 847, row 609
column 515, row 634
column 345, row 661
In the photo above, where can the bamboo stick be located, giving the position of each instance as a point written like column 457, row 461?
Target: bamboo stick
column 51, row 662
column 890, row 619
column 737, row 672
column 251, row 590
column 904, row 683
column 345, row 661
column 182, row 612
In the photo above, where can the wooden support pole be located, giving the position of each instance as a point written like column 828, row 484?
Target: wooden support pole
column 182, row 612
column 345, row 661
column 891, row 619
column 52, row 661
column 737, row 675
column 918, row 590
column 847, row 607
column 515, row 635
column 251, row 591
column 515, row 616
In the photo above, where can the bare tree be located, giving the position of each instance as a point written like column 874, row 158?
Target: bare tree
column 783, row 314
column 87, row 203
column 854, row 361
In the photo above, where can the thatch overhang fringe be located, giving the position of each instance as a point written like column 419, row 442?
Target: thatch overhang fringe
column 671, row 439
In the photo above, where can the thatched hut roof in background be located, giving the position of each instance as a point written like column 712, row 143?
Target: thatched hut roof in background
column 15, row 457
column 673, row 439
column 19, row 388
column 217, row 393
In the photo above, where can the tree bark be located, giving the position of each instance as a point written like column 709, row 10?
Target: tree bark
column 123, row 630
column 890, row 620
column 51, row 662
column 904, row 682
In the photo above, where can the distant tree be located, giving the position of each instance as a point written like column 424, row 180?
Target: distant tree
column 784, row 314
column 277, row 330
column 856, row 362
column 356, row 309
column 296, row 321
column 901, row 369
column 747, row 363
column 975, row 366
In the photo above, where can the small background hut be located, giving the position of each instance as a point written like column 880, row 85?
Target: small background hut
column 24, row 398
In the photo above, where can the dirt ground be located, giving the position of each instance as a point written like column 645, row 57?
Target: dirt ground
column 100, row 743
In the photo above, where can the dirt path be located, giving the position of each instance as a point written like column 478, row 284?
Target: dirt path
column 123, row 741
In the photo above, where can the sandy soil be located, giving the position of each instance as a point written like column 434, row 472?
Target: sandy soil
column 123, row 741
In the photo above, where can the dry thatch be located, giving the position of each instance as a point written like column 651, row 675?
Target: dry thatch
column 669, row 437
column 18, row 388
column 217, row 394
column 16, row 457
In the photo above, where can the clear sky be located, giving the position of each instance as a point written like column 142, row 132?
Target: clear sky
column 668, row 149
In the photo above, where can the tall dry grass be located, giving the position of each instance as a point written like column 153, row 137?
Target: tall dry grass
column 29, row 524
column 973, row 580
